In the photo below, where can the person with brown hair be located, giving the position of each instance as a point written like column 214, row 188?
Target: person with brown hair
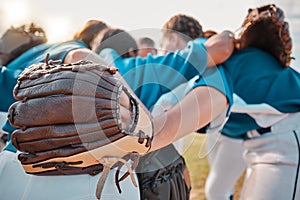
column 266, row 114
column 178, row 31
column 167, row 160
column 91, row 33
column 155, row 166
column 163, row 161
column 231, row 149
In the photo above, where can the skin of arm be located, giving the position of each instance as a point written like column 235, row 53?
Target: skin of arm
column 201, row 105
column 194, row 111
column 190, row 114
column 219, row 48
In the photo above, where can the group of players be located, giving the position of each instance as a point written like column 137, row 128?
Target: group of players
column 262, row 123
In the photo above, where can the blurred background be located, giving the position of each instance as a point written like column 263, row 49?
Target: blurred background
column 62, row 18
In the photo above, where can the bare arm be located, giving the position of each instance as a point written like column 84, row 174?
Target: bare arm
column 219, row 48
column 196, row 110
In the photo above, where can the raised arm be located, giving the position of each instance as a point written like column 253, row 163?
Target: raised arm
column 195, row 111
column 161, row 74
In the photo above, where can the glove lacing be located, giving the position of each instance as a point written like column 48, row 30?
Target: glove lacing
column 108, row 163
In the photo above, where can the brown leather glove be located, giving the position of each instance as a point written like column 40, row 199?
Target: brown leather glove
column 77, row 118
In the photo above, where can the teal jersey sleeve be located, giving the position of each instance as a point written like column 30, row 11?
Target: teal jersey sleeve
column 217, row 78
column 153, row 76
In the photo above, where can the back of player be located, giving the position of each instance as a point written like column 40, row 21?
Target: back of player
column 266, row 114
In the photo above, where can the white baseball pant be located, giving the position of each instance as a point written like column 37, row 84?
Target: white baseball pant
column 16, row 184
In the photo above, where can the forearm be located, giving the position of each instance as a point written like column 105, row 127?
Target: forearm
column 196, row 110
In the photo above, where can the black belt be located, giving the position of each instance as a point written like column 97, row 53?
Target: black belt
column 4, row 137
column 264, row 130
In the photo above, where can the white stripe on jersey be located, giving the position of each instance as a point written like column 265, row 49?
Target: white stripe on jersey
column 263, row 114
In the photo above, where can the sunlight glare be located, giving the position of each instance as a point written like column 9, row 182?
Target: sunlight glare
column 15, row 12
column 58, row 29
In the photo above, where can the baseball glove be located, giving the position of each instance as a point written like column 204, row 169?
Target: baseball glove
column 265, row 28
column 77, row 118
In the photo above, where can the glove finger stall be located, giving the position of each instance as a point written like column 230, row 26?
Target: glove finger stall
column 58, row 83
column 36, row 141
column 60, row 110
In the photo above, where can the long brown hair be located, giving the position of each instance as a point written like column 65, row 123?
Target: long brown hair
column 265, row 28
column 89, row 31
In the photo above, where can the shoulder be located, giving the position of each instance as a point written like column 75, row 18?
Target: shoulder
column 254, row 53
column 253, row 58
column 109, row 55
column 70, row 43
column 66, row 46
column 199, row 41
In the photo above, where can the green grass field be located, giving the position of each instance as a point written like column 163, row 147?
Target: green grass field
column 196, row 159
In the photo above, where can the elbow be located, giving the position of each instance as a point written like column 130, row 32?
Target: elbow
column 72, row 56
column 219, row 48
column 77, row 55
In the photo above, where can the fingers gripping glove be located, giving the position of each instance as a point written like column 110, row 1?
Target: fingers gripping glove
column 265, row 28
column 77, row 118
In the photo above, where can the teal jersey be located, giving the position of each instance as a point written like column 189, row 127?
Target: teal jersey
column 257, row 77
column 9, row 74
column 153, row 76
